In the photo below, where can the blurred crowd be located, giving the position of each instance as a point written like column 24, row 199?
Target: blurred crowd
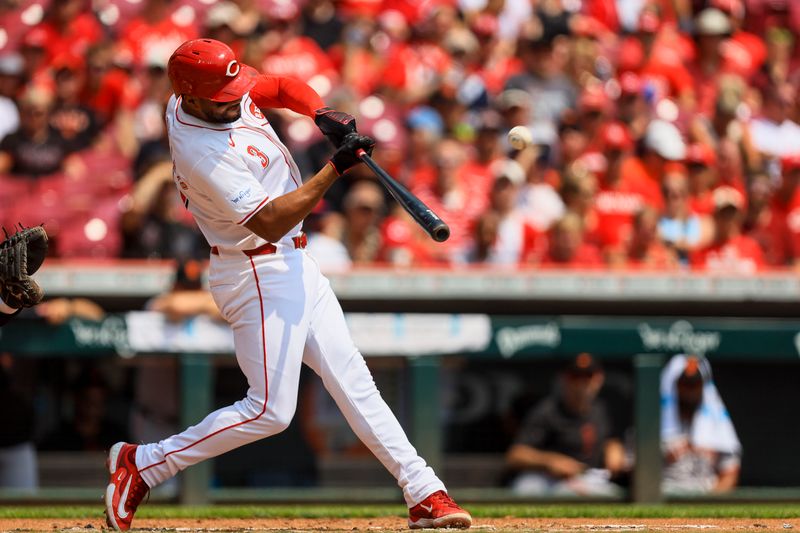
column 665, row 134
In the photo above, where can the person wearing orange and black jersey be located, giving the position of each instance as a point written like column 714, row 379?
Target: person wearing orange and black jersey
column 566, row 444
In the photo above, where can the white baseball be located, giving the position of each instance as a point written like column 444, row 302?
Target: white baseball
column 520, row 137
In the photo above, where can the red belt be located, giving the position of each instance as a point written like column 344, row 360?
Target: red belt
column 300, row 241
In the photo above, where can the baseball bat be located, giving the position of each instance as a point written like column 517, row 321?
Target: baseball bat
column 424, row 216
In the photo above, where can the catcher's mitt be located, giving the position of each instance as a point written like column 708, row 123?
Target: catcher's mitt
column 21, row 255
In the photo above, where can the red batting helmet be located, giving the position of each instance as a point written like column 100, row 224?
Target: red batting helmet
column 208, row 69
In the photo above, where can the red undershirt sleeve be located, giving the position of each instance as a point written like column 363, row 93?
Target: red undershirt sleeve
column 289, row 93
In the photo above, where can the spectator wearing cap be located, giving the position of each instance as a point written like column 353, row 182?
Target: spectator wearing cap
column 662, row 144
column 702, row 453
column 10, row 79
column 659, row 54
column 632, row 109
column 775, row 134
column 35, row 58
column 147, row 115
column 494, row 62
column 158, row 27
column 711, row 29
column 594, row 108
column 701, row 161
column 729, row 251
column 415, row 67
column 746, row 51
column 680, row 227
column 363, row 208
column 502, row 235
column 645, row 250
column 35, row 149
column 618, row 198
column 488, row 149
column 71, row 28
column 225, row 22
column 425, row 129
column 567, row 443
column 551, row 91
column 77, row 123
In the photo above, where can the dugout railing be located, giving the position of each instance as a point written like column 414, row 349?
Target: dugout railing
column 558, row 330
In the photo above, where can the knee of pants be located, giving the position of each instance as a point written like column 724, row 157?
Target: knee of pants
column 274, row 419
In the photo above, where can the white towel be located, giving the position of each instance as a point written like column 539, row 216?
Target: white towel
column 712, row 428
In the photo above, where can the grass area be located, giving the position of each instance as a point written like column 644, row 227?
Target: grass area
column 478, row 510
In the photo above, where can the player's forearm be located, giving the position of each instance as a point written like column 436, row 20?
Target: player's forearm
column 522, row 456
column 279, row 216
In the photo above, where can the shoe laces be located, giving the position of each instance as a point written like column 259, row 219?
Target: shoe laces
column 443, row 499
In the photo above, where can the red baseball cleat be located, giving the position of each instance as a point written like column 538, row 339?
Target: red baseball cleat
column 438, row 510
column 126, row 489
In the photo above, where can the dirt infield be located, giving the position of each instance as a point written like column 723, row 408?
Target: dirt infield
column 387, row 524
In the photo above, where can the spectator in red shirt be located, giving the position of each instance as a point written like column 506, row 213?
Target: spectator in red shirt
column 71, row 28
column 645, row 249
column 701, row 161
column 730, row 252
column 662, row 144
column 765, row 224
column 632, row 108
column 452, row 198
column 618, row 199
column 159, row 27
column 567, row 247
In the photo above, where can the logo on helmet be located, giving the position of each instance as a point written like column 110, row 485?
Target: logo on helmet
column 233, row 69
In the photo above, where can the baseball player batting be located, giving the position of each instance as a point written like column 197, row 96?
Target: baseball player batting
column 246, row 194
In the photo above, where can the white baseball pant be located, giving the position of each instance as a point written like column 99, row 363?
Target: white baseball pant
column 284, row 313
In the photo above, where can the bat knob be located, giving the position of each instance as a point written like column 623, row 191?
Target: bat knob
column 441, row 233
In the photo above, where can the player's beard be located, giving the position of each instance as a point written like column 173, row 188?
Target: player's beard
column 224, row 116
column 221, row 113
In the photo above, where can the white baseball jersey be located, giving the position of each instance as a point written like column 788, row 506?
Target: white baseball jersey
column 227, row 172
column 281, row 308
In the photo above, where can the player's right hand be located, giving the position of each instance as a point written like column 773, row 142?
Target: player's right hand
column 346, row 156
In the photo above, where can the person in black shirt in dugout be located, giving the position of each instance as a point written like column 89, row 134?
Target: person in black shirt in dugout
column 566, row 445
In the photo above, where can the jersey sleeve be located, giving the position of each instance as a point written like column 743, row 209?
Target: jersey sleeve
column 283, row 92
column 229, row 184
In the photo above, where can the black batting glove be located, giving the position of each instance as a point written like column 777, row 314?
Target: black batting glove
column 346, row 156
column 336, row 125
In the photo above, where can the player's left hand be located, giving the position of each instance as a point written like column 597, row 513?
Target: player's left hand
column 347, row 154
column 335, row 124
